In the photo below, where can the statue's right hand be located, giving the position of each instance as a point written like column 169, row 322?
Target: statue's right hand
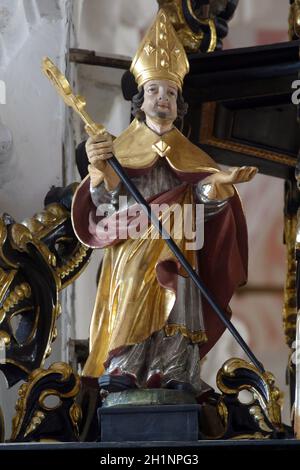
column 99, row 149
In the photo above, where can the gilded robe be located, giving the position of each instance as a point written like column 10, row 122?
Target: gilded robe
column 139, row 278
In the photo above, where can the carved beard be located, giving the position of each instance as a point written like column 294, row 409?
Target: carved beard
column 161, row 115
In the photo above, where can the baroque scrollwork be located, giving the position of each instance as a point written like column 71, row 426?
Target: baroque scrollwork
column 38, row 420
column 200, row 25
column 38, row 258
column 294, row 20
column 258, row 417
column 290, row 291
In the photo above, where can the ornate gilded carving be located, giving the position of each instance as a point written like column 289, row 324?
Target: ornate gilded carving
column 4, row 337
column 259, row 417
column 19, row 293
column 6, row 279
column 200, row 25
column 33, row 414
column 294, row 20
column 75, row 261
column 190, row 39
column 161, row 148
column 256, row 435
column 291, row 230
column 75, row 415
column 172, row 329
column 34, row 423
column 262, row 415
column 38, row 258
column 5, row 252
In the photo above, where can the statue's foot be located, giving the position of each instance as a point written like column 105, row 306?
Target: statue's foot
column 154, row 380
column 116, row 383
column 181, row 386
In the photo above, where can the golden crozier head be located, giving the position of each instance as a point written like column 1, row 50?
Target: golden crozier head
column 161, row 55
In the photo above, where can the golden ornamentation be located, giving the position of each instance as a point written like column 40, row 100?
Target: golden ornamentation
column 257, row 414
column 295, row 415
column 223, row 413
column 77, row 103
column 207, row 22
column 75, row 414
column 190, row 40
column 161, row 55
column 19, row 293
column 291, row 230
column 6, row 279
column 25, row 390
column 294, row 20
column 48, row 351
column 32, row 231
column 207, row 138
column 161, row 148
column 256, row 435
column 3, row 238
column 20, row 236
column 55, row 333
column 73, row 263
column 4, row 337
column 40, row 225
column 271, row 405
column 36, row 420
column 198, row 337
column 45, row 221
column 20, row 409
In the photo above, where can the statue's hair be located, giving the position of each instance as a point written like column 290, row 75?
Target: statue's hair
column 138, row 99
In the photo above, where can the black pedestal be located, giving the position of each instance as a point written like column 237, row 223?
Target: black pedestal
column 149, row 423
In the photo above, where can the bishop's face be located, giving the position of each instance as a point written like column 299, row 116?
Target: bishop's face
column 160, row 100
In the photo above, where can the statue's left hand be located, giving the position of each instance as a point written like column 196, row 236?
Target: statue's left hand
column 220, row 184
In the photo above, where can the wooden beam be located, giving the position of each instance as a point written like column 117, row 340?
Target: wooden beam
column 84, row 56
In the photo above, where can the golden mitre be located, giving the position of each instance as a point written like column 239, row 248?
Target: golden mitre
column 161, row 55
